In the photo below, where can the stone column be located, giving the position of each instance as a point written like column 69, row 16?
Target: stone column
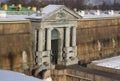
column 49, row 39
column 67, row 44
column 35, row 40
column 24, row 60
column 40, row 40
column 74, row 36
column 67, row 37
column 114, row 43
column 99, row 45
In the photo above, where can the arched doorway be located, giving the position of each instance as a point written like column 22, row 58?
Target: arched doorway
column 54, row 46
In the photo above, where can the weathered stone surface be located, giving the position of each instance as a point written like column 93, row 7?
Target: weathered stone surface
column 15, row 38
column 104, row 30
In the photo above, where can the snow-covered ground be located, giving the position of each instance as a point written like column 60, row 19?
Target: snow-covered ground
column 6, row 75
column 113, row 62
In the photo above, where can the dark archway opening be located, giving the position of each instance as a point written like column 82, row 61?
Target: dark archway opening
column 54, row 46
column 11, row 60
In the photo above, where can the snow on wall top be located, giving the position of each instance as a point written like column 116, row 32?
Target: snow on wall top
column 98, row 14
column 13, row 18
column 90, row 16
column 6, row 75
column 113, row 62
column 51, row 8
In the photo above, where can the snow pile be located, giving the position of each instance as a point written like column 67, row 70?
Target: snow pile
column 48, row 79
column 113, row 62
column 6, row 75
column 3, row 13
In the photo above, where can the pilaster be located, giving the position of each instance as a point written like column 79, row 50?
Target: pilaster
column 40, row 40
column 114, row 43
column 67, row 37
column 49, row 39
column 70, row 52
column 99, row 45
column 74, row 36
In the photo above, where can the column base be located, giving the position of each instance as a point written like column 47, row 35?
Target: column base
column 70, row 56
column 71, row 61
column 43, row 59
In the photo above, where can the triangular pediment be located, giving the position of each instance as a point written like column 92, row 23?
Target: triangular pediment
column 63, row 13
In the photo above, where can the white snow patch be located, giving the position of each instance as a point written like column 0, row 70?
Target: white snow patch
column 3, row 14
column 13, row 18
column 6, row 75
column 113, row 62
column 48, row 79
column 87, row 16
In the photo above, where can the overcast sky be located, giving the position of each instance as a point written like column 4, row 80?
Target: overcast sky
column 3, row 0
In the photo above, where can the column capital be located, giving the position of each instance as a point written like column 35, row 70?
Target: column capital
column 42, row 29
column 68, row 26
column 74, row 27
column 49, row 29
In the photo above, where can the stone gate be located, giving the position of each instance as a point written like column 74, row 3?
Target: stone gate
column 54, row 36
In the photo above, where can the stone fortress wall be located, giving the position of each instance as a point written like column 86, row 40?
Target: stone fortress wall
column 98, row 38
column 15, row 46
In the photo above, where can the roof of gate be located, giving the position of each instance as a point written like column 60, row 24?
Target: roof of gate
column 50, row 9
